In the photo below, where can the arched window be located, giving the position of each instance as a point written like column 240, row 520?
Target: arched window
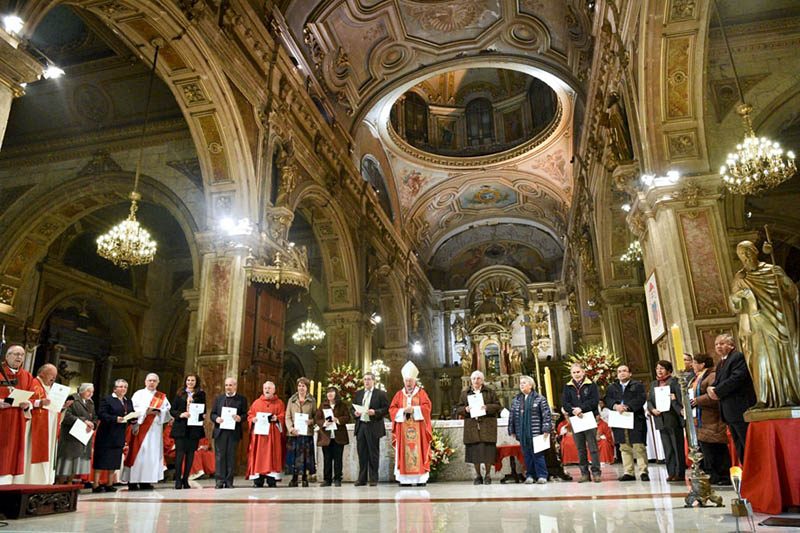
column 543, row 105
column 480, row 122
column 371, row 172
column 416, row 115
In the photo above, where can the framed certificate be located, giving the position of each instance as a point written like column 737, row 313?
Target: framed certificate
column 655, row 314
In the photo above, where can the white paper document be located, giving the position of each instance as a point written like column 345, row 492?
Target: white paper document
column 691, row 397
column 663, row 398
column 195, row 410
column 19, row 396
column 418, row 413
column 261, row 426
column 541, row 442
column 400, row 416
column 359, row 409
column 228, row 420
column 328, row 415
column 582, row 423
column 131, row 416
column 58, row 397
column 78, row 431
column 476, row 406
column 620, row 420
column 301, row 423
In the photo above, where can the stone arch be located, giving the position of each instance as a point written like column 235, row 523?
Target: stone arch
column 29, row 238
column 195, row 74
column 336, row 243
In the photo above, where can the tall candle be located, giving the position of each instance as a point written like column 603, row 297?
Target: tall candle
column 311, row 388
column 319, row 394
column 548, row 382
column 677, row 344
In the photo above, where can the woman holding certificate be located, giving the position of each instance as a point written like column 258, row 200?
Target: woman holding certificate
column 332, row 417
column 711, row 431
column 188, row 410
column 75, row 440
column 479, row 406
column 531, row 422
column 300, row 412
column 664, row 403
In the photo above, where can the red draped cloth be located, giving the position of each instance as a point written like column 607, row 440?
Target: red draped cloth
column 508, row 450
column 267, row 453
column 40, row 422
column 412, row 438
column 12, row 422
column 204, row 459
column 136, row 442
column 771, row 472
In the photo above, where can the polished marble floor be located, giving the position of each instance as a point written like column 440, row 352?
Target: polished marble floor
column 555, row 507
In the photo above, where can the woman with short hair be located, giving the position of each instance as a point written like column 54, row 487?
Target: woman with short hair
column 712, row 434
column 670, row 422
column 74, row 457
column 480, row 432
column 332, row 436
column 300, row 459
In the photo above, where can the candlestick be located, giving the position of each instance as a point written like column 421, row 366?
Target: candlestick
column 311, row 388
column 677, row 344
column 319, row 394
column 548, row 382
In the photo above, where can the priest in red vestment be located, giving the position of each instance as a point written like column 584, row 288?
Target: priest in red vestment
column 605, row 442
column 13, row 417
column 40, row 454
column 267, row 453
column 412, row 432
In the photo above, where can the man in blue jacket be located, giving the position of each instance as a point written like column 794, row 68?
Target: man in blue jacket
column 580, row 398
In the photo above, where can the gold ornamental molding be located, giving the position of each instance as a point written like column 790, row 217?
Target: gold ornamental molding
column 288, row 272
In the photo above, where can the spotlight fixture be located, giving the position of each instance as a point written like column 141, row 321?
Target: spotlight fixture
column 416, row 348
column 52, row 72
column 13, row 24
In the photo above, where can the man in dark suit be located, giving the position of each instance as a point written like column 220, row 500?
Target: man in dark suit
column 369, row 429
column 733, row 387
column 226, row 440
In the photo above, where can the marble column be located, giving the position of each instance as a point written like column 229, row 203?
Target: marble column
column 448, row 340
column 344, row 334
column 682, row 232
column 192, row 297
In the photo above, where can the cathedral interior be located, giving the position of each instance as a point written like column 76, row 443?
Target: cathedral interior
column 472, row 184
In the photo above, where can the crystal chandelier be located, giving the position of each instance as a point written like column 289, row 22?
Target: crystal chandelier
column 308, row 334
column 128, row 243
column 633, row 254
column 758, row 164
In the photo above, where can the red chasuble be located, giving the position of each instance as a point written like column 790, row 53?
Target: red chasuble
column 12, row 422
column 412, row 438
column 40, row 422
column 136, row 442
column 605, row 446
column 267, row 453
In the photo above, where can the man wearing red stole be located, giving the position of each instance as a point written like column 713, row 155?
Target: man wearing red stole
column 40, row 454
column 13, row 415
column 412, row 432
column 267, row 452
column 144, row 464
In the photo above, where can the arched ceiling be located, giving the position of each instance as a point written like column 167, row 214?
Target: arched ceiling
column 365, row 54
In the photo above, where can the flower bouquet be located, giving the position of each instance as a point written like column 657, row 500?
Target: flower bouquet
column 600, row 363
column 347, row 380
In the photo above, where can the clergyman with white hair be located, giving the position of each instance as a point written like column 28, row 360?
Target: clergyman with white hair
column 480, row 426
column 144, row 463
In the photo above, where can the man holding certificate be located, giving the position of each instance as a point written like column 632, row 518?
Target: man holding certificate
column 300, row 412
column 479, row 406
column 626, row 398
column 664, row 403
column 531, row 422
column 579, row 401
column 227, row 414
column 12, row 413
column 144, row 462
column 369, row 408
column 267, row 422
column 412, row 431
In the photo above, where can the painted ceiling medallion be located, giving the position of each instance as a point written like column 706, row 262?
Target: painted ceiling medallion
column 447, row 16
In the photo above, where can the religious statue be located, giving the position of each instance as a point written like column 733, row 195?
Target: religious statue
column 619, row 134
column 516, row 361
column 466, row 362
column 767, row 302
column 459, row 330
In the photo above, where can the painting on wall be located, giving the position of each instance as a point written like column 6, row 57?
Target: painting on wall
column 484, row 195
column 512, row 125
column 446, row 133
column 655, row 314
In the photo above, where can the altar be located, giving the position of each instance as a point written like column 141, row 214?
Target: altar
column 457, row 470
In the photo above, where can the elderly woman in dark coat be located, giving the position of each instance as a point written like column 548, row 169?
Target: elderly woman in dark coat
column 74, row 457
column 110, row 437
column 332, row 441
column 711, row 431
column 670, row 422
column 530, row 417
column 480, row 433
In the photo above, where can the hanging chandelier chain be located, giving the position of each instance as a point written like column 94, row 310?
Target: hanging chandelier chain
column 730, row 53
column 157, row 44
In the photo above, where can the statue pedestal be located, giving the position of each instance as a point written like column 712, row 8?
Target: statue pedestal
column 771, row 472
column 775, row 413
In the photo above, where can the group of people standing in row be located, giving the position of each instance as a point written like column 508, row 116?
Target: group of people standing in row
column 34, row 451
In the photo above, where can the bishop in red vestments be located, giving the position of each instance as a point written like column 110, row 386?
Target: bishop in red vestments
column 412, row 431
column 267, row 453
column 13, row 417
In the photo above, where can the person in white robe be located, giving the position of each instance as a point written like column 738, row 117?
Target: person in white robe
column 144, row 464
